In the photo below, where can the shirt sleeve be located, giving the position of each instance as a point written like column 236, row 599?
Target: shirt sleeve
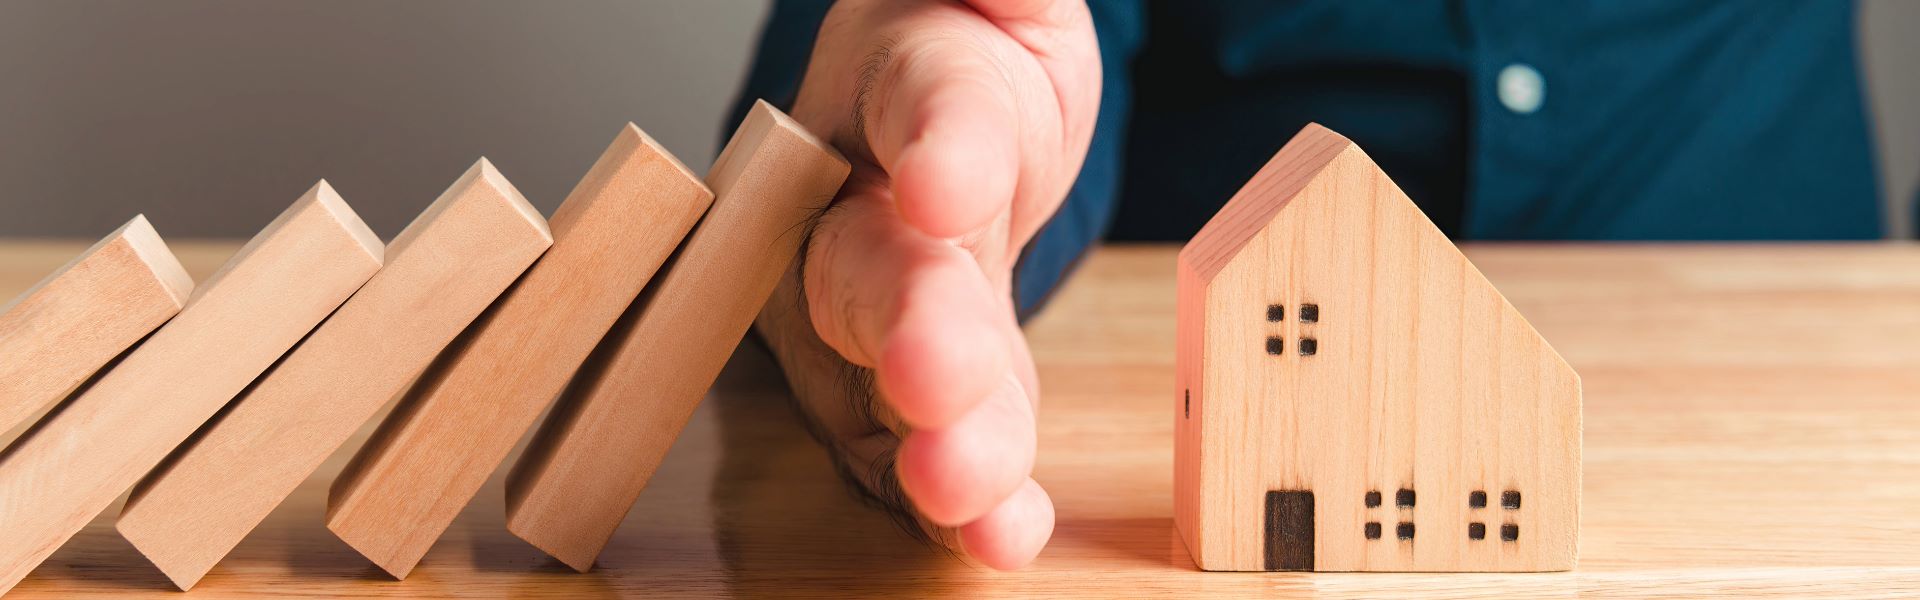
column 786, row 42
column 1089, row 207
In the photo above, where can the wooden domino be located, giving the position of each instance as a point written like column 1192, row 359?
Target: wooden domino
column 1352, row 395
column 76, row 461
column 623, row 220
column 66, row 327
column 583, row 471
column 441, row 272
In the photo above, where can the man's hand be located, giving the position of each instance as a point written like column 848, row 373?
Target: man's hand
column 966, row 123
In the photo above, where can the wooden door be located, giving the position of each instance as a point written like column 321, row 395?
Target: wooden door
column 1290, row 530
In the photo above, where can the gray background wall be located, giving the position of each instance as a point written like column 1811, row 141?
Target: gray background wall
column 211, row 115
column 1890, row 56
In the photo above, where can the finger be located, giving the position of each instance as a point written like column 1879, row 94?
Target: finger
column 948, row 135
column 916, row 309
column 1021, row 357
column 1023, row 9
column 956, row 474
column 1012, row 534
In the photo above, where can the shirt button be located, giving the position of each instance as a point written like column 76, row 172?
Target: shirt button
column 1522, row 90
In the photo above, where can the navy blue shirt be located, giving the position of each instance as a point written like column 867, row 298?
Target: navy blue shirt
column 1503, row 119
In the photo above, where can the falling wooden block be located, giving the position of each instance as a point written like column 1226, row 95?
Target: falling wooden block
column 463, row 417
column 441, row 272
column 1352, row 394
column 73, row 464
column 588, row 464
column 66, row 327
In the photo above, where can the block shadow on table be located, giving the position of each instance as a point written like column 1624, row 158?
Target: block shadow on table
column 778, row 504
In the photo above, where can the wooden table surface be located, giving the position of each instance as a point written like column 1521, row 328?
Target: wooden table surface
column 1752, row 428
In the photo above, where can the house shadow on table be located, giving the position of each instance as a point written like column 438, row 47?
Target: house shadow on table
column 785, row 522
column 1143, row 542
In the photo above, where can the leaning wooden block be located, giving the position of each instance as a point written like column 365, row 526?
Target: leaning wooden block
column 590, row 461
column 75, row 462
column 463, row 417
column 67, row 326
column 1352, row 395
column 440, row 274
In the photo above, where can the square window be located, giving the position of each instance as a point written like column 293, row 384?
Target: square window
column 1373, row 530
column 1509, row 532
column 1308, row 346
column 1309, row 313
column 1403, row 498
column 1373, row 499
column 1405, row 530
column 1476, row 531
column 1510, row 500
column 1275, row 346
column 1477, row 499
column 1276, row 313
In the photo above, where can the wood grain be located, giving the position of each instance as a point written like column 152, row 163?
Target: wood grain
column 441, row 272
column 583, row 471
column 72, row 465
column 462, row 419
column 64, row 328
column 1720, row 461
column 1402, row 371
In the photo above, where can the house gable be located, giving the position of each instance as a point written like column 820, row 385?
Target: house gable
column 1412, row 376
column 1270, row 189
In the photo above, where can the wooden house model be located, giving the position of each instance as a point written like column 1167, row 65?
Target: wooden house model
column 1353, row 395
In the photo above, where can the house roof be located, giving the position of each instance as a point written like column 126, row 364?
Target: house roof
column 1260, row 200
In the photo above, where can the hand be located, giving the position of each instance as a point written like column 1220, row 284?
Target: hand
column 966, row 123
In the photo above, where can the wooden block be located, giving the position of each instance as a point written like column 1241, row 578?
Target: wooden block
column 1350, row 390
column 588, row 464
column 430, row 456
column 441, row 272
column 66, row 327
column 73, row 464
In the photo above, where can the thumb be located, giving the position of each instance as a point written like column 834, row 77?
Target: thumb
column 946, row 131
column 1021, row 9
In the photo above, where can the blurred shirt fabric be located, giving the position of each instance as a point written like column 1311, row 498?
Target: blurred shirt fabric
column 1502, row 119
